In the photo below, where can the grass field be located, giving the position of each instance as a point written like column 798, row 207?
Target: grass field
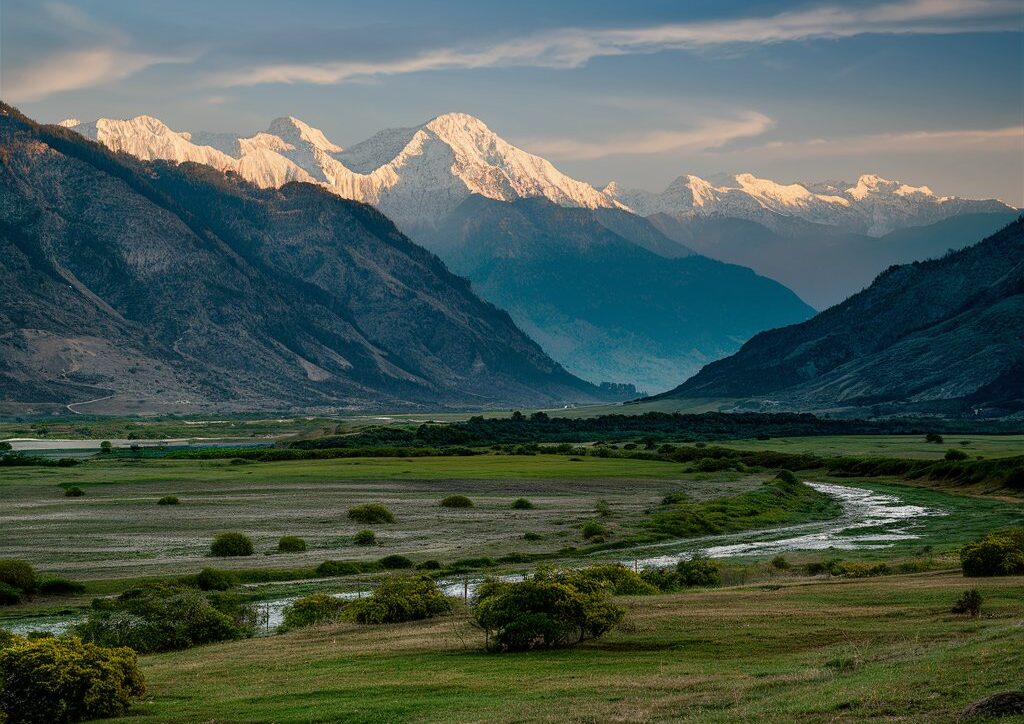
column 884, row 649
column 888, row 446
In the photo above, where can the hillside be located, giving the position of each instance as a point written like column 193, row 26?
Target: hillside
column 178, row 288
column 604, row 305
column 939, row 336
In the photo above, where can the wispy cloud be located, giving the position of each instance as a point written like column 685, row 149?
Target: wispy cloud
column 574, row 47
column 1010, row 138
column 707, row 134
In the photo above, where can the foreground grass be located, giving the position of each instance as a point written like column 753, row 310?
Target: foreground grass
column 877, row 649
column 887, row 446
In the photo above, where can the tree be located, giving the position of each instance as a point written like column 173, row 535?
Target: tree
column 106, row 447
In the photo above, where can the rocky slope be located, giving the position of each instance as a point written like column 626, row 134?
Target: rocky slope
column 178, row 288
column 939, row 336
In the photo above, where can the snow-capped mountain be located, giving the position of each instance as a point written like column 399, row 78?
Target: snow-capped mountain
column 873, row 205
column 415, row 175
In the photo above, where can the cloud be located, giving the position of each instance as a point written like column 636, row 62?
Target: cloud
column 1010, row 138
column 708, row 134
column 75, row 70
column 574, row 47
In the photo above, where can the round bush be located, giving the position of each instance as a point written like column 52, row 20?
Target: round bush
column 212, row 579
column 291, row 544
column 365, row 538
column 231, row 544
column 371, row 513
column 699, row 572
column 73, row 492
column 65, row 680
column 58, row 586
column 311, row 610
column 521, row 504
column 429, row 565
column 168, row 500
column 394, row 562
column 593, row 529
column 787, row 476
column 1000, row 553
column 18, row 574
column 623, row 581
column 401, row 598
column 530, row 536
column 9, row 595
column 780, row 563
column 955, row 455
column 456, row 501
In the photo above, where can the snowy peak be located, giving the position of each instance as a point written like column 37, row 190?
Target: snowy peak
column 292, row 130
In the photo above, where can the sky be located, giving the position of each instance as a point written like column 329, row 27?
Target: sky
column 930, row 92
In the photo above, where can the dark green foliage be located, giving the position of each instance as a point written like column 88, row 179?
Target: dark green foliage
column 1000, row 553
column 371, row 513
column 163, row 617
column 955, row 455
column 394, row 562
column 429, row 565
column 551, row 608
column 676, row 496
column 815, row 568
column 291, row 544
column 933, row 437
column 18, row 574
column 780, row 563
column 465, row 564
column 602, row 508
column 168, row 500
column 231, row 544
column 860, row 570
column 666, row 580
column 521, row 504
column 787, row 476
column 57, row 680
column 58, row 586
column 311, row 610
column 968, row 604
column 592, row 529
column 532, row 536
column 401, row 598
column 456, row 501
column 9, row 595
column 346, row 568
column 699, row 572
column 213, row 579
column 365, row 538
column 106, row 447
column 623, row 581
column 15, row 460
column 73, row 492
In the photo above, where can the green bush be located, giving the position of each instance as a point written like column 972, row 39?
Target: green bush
column 521, row 504
column 861, row 570
column 456, row 501
column 213, row 579
column 73, row 492
column 291, row 544
column 623, row 581
column 593, row 529
column 780, row 563
column 933, row 437
column 371, row 513
column 968, row 604
column 676, row 496
column 787, row 476
column 666, row 580
column 227, row 545
column 365, row 538
column 311, row 610
column 815, row 568
column 59, row 586
column 1000, row 553
column 394, row 562
column 429, row 565
column 66, row 680
column 602, row 508
column 18, row 574
column 401, row 598
column 163, row 617
column 168, row 500
column 552, row 608
column 954, row 455
column 346, row 568
column 9, row 595
column 699, row 571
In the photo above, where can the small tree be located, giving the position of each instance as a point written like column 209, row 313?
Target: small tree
column 106, row 447
column 1000, row 553
column 968, row 604
column 933, row 437
column 231, row 544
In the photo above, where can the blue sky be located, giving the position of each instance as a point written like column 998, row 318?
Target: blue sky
column 926, row 91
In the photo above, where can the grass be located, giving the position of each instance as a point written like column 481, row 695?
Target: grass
column 887, row 446
column 877, row 649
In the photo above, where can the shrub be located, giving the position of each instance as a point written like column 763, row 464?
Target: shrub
column 780, row 563
column 861, row 570
column 168, row 500
column 676, row 496
column 66, row 680
column 401, row 598
column 9, row 595
column 968, row 604
column 18, row 574
column 550, row 609
column 954, row 455
column 231, row 544
column 622, row 580
column 365, row 538
column 532, row 536
column 394, row 562
column 665, row 580
column 59, row 586
column 456, row 501
column 429, row 565
column 345, row 568
column 212, row 579
column 371, row 513
column 521, row 504
column 787, row 476
column 933, row 437
column 291, row 544
column 602, row 508
column 699, row 571
column 815, row 568
column 593, row 529
column 1000, row 553
column 163, row 617
column 311, row 610
column 106, row 447
column 73, row 492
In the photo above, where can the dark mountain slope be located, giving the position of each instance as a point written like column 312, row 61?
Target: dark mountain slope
column 602, row 306
column 945, row 335
column 187, row 289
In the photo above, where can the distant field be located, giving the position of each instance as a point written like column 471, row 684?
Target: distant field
column 884, row 649
column 891, row 446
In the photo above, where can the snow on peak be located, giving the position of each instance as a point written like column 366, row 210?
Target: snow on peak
column 70, row 122
column 294, row 130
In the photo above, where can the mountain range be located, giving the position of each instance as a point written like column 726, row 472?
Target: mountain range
column 939, row 336
column 168, row 287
